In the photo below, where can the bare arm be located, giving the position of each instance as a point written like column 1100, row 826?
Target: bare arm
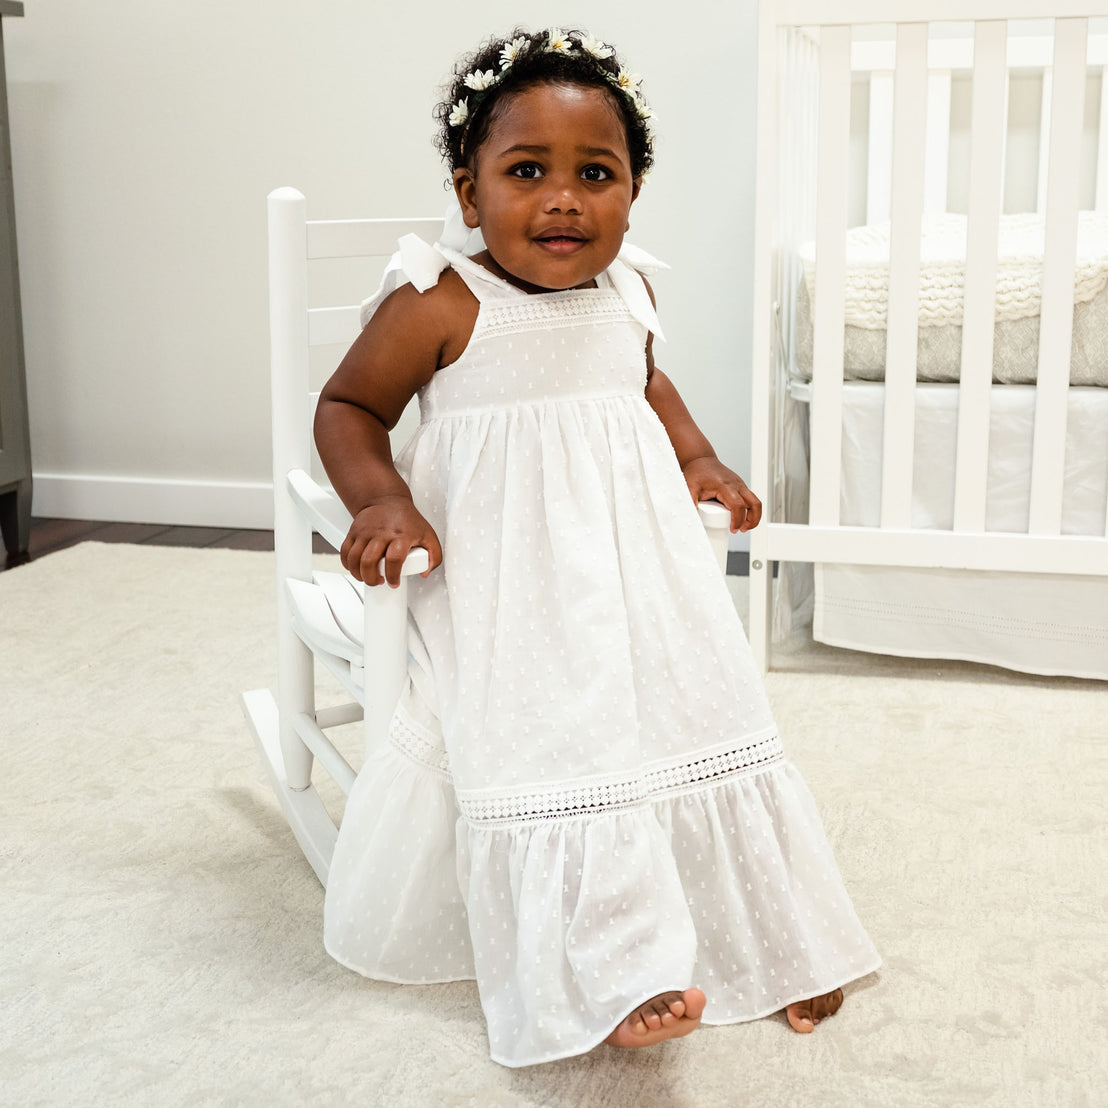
column 409, row 337
column 707, row 477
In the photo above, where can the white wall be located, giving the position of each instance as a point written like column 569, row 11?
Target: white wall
column 146, row 135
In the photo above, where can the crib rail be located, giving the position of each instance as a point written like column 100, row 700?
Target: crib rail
column 814, row 13
column 810, row 53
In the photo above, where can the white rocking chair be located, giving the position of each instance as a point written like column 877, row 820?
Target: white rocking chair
column 358, row 634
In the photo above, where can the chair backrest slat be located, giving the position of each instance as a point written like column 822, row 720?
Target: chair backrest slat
column 333, row 325
column 364, row 238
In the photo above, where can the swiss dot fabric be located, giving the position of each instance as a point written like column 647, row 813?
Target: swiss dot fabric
column 583, row 801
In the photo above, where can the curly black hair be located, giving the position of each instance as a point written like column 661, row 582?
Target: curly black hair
column 535, row 63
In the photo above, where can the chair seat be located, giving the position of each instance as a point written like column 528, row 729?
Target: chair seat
column 328, row 616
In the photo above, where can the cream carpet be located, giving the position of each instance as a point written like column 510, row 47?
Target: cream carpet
column 162, row 935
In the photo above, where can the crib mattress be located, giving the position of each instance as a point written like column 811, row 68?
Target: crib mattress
column 942, row 284
column 1036, row 623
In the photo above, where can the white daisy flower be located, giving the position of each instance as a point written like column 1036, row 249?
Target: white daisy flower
column 513, row 49
column 460, row 113
column 629, row 81
column 478, row 80
column 558, row 42
column 595, row 47
column 643, row 110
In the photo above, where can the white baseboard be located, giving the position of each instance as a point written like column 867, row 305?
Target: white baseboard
column 229, row 504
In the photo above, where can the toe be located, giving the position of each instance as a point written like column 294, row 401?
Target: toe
column 800, row 1017
column 693, row 1001
column 826, row 1005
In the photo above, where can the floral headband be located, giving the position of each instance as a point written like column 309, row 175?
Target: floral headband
column 551, row 42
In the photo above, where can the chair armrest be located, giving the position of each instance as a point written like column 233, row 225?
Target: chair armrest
column 717, row 522
column 713, row 514
column 327, row 515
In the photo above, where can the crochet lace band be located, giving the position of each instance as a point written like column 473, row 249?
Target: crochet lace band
column 569, row 309
column 610, row 794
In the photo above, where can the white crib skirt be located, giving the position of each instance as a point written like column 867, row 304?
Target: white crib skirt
column 1033, row 622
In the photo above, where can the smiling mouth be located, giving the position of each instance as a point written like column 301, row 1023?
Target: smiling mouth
column 561, row 241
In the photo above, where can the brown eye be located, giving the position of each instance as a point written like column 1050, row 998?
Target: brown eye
column 529, row 171
column 595, row 173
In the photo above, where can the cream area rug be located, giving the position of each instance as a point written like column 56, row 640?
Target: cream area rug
column 161, row 934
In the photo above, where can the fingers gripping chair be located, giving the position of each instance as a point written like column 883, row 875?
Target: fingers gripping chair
column 358, row 634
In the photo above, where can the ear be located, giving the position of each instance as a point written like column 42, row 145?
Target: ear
column 636, row 185
column 465, row 187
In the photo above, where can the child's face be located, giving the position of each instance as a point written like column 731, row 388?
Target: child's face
column 551, row 187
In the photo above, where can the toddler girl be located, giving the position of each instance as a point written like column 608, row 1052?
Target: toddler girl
column 583, row 802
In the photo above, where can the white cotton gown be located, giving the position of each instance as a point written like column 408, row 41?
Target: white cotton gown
column 583, row 800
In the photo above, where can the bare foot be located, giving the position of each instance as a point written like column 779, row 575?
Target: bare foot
column 666, row 1016
column 805, row 1014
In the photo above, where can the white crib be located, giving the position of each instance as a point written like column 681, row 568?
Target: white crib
column 931, row 430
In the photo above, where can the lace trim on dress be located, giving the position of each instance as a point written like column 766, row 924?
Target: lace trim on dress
column 620, row 794
column 709, row 770
column 406, row 737
column 510, row 317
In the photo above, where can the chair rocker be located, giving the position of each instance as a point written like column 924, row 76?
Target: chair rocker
column 357, row 633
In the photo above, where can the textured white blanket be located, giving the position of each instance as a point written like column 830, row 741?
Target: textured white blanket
column 943, row 268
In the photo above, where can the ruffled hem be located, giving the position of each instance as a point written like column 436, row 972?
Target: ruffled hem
column 822, row 989
column 569, row 924
column 732, row 888
column 393, row 910
column 763, row 888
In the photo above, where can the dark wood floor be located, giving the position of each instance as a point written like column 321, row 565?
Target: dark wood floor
column 50, row 535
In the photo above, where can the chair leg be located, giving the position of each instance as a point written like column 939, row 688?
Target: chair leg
column 313, row 827
column 295, row 695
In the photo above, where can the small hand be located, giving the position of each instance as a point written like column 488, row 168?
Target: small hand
column 710, row 479
column 388, row 528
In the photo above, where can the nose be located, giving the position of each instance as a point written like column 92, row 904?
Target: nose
column 564, row 195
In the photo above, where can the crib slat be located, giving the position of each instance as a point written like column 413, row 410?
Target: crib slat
column 987, row 126
column 909, row 124
column 827, row 316
column 1056, row 316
